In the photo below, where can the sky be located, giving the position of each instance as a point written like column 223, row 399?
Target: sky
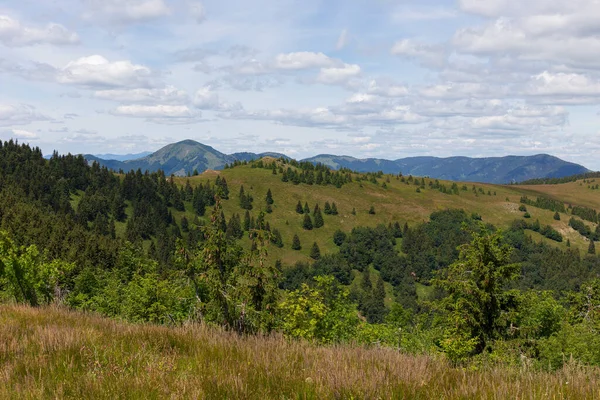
column 365, row 78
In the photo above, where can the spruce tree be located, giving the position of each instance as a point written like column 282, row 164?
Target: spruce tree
column 269, row 208
column 315, row 252
column 306, row 208
column 269, row 197
column 276, row 238
column 247, row 221
column 334, row 210
column 318, row 217
column 296, row 243
column 372, row 210
column 299, row 208
column 307, row 224
column 557, row 216
column 592, row 247
column 327, row 208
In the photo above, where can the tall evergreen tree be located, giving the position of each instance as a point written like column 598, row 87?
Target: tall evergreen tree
column 247, row 221
column 315, row 252
column 296, row 243
column 306, row 208
column 307, row 223
column 276, row 238
column 318, row 217
column 592, row 247
column 334, row 210
column 327, row 208
column 372, row 210
column 269, row 197
column 299, row 208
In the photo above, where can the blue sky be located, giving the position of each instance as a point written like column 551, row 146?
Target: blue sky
column 378, row 78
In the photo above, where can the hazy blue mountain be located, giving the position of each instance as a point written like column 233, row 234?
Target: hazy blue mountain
column 490, row 169
column 177, row 158
column 188, row 155
column 122, row 157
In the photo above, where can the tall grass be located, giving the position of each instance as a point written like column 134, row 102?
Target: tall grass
column 54, row 353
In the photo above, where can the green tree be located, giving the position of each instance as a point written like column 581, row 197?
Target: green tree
column 557, row 216
column 315, row 252
column 269, row 197
column 296, row 243
column 476, row 297
column 306, row 208
column 25, row 275
column 339, row 237
column 372, row 210
column 318, row 217
column 327, row 209
column 334, row 210
column 592, row 247
column 307, row 223
column 299, row 208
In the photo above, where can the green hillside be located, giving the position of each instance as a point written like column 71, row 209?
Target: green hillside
column 399, row 201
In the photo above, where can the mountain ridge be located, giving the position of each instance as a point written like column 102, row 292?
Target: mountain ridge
column 188, row 156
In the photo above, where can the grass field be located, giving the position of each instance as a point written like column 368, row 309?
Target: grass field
column 54, row 353
column 398, row 202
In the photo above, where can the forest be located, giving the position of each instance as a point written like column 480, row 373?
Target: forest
column 116, row 244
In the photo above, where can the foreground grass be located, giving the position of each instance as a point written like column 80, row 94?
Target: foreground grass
column 53, row 353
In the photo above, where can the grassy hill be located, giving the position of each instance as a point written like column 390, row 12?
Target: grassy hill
column 397, row 202
column 54, row 353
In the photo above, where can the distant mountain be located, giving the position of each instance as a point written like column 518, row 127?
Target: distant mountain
column 188, row 155
column 122, row 157
column 177, row 158
column 490, row 169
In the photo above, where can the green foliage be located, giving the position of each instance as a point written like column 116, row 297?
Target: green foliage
column 372, row 210
column 296, row 243
column 323, row 313
column 299, row 208
column 25, row 275
column 307, row 223
column 318, row 217
column 476, row 297
column 315, row 252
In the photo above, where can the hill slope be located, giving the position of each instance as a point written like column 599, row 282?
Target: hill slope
column 65, row 354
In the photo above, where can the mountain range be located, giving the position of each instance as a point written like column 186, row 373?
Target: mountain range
column 187, row 156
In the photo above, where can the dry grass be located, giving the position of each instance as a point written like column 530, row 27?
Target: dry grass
column 54, row 353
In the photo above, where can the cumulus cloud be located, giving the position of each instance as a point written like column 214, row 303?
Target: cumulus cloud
column 160, row 114
column 23, row 134
column 96, row 71
column 22, row 114
column 386, row 88
column 125, row 11
column 563, row 88
column 302, row 60
column 207, row 99
column 167, row 95
column 338, row 75
column 429, row 55
column 13, row 33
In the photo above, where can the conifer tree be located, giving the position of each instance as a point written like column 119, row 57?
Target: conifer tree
column 372, row 210
column 334, row 210
column 307, row 223
column 306, row 208
column 327, row 208
column 269, row 197
column 353, row 211
column 247, row 221
column 315, row 252
column 299, row 208
column 269, row 208
column 185, row 225
column 557, row 216
column 592, row 247
column 276, row 238
column 318, row 222
column 296, row 243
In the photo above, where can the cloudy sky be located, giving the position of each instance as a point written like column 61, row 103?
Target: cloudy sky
column 367, row 78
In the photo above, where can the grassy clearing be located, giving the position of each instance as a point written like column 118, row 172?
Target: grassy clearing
column 54, row 353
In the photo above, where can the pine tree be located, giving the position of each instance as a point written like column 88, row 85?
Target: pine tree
column 306, row 208
column 334, row 210
column 372, row 210
column 307, row 224
column 269, row 197
column 247, row 221
column 327, row 208
column 296, row 243
column 269, row 208
column 557, row 216
column 299, row 208
column 592, row 247
column 318, row 217
column 315, row 252
column 223, row 222
column 276, row 238
column 353, row 211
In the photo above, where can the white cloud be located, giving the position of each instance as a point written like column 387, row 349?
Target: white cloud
column 96, row 72
column 22, row 114
column 302, row 60
column 167, row 95
column 207, row 99
column 13, row 33
column 564, row 88
column 429, row 55
column 156, row 111
column 124, row 11
column 386, row 89
column 338, row 75
column 23, row 134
